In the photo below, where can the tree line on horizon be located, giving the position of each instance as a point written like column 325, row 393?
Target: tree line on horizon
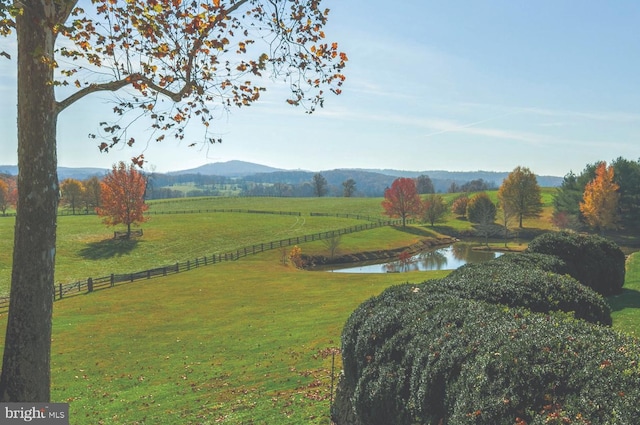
column 603, row 197
column 299, row 184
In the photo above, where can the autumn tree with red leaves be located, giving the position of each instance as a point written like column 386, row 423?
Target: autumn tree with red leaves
column 173, row 62
column 122, row 197
column 401, row 200
column 600, row 200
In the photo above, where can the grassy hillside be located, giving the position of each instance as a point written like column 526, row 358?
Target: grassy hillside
column 238, row 342
column 86, row 247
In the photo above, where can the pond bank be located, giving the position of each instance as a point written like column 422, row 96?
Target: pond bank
column 392, row 254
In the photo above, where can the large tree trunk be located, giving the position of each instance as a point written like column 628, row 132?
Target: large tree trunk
column 26, row 363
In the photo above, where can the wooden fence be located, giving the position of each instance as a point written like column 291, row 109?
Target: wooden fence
column 65, row 290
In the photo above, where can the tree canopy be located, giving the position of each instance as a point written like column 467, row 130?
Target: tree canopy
column 172, row 62
column 122, row 197
column 520, row 194
column 600, row 200
column 402, row 200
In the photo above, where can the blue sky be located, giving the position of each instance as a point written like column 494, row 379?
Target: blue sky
column 453, row 85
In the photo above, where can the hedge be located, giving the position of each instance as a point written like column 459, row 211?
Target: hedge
column 508, row 281
column 512, row 341
column 471, row 362
column 593, row 260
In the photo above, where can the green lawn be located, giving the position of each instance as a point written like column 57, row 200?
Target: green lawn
column 86, row 247
column 626, row 306
column 237, row 342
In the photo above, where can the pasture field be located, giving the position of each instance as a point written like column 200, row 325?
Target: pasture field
column 242, row 342
column 86, row 247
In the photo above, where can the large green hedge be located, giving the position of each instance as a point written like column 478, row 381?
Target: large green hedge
column 593, row 260
column 411, row 359
column 517, row 284
column 510, row 341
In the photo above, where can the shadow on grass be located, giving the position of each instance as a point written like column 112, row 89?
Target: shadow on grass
column 418, row 231
column 108, row 248
column 629, row 298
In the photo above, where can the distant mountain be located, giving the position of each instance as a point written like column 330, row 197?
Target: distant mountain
column 63, row 172
column 80, row 173
column 12, row 170
column 228, row 169
column 369, row 182
column 492, row 177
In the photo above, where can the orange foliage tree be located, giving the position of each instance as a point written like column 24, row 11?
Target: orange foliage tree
column 600, row 200
column 402, row 200
column 122, row 197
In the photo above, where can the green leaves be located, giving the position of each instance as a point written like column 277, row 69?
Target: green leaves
column 199, row 56
column 503, row 342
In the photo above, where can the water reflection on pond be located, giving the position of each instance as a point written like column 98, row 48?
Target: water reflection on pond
column 448, row 258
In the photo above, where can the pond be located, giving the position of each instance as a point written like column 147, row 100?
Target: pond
column 447, row 258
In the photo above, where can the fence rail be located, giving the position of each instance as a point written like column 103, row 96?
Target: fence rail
column 66, row 290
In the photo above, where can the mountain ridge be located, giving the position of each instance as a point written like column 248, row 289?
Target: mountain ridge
column 264, row 173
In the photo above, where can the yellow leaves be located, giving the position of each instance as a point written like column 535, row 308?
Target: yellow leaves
column 600, row 199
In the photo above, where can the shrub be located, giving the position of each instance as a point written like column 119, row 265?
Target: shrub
column 504, row 282
column 492, row 343
column 548, row 263
column 470, row 362
column 593, row 260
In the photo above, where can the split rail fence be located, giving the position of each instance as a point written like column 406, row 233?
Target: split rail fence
column 65, row 290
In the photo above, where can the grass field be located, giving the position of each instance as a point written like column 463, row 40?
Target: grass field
column 241, row 342
column 86, row 248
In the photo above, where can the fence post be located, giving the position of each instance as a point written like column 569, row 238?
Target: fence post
column 90, row 285
column 113, row 280
column 188, row 264
column 60, row 286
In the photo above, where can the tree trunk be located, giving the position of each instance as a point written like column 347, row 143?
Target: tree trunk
column 26, row 362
